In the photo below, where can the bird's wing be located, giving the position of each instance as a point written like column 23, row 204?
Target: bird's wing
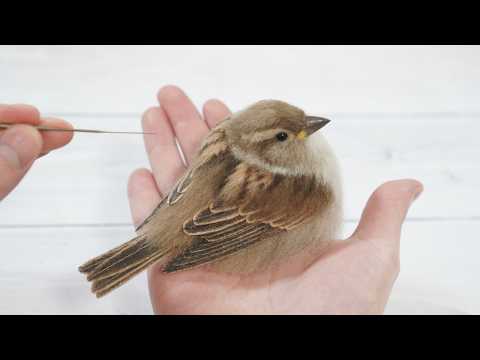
column 213, row 146
column 175, row 194
column 252, row 205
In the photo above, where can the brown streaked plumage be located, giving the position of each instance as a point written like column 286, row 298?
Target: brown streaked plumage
column 256, row 193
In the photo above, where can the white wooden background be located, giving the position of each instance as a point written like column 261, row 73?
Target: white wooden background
column 406, row 111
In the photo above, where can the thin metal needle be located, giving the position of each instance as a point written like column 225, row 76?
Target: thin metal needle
column 46, row 128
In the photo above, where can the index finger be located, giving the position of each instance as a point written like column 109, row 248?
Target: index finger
column 19, row 113
column 55, row 139
column 29, row 115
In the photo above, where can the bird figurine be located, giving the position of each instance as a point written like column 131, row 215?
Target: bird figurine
column 260, row 190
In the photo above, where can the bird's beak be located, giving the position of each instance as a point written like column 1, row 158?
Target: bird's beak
column 315, row 123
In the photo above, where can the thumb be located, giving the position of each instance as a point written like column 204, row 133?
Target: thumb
column 385, row 212
column 20, row 145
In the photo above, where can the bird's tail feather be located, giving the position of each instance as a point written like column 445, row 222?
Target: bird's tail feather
column 115, row 267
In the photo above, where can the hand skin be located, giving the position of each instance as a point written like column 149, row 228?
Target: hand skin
column 353, row 276
column 21, row 144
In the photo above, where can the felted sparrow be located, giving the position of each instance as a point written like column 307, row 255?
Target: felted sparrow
column 258, row 189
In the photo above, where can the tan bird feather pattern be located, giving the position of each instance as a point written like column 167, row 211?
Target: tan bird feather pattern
column 223, row 205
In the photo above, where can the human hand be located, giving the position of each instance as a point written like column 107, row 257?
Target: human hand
column 352, row 276
column 21, row 144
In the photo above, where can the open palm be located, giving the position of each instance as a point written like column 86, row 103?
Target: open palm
column 353, row 276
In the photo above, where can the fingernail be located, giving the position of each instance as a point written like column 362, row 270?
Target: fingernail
column 417, row 192
column 15, row 149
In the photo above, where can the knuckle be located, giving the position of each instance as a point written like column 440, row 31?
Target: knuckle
column 391, row 262
column 381, row 196
column 388, row 257
column 394, row 265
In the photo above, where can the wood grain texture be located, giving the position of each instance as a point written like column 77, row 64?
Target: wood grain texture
column 439, row 270
column 403, row 111
column 39, row 273
column 326, row 79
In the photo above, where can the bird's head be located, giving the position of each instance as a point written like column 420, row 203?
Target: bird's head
column 277, row 136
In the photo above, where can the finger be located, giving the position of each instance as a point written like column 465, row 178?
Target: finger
column 143, row 195
column 19, row 147
column 162, row 150
column 385, row 212
column 19, row 113
column 188, row 125
column 214, row 111
column 54, row 139
column 27, row 114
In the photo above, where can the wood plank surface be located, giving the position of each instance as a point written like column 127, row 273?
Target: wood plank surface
column 391, row 79
column 38, row 270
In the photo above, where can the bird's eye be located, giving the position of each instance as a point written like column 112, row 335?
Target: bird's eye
column 282, row 136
